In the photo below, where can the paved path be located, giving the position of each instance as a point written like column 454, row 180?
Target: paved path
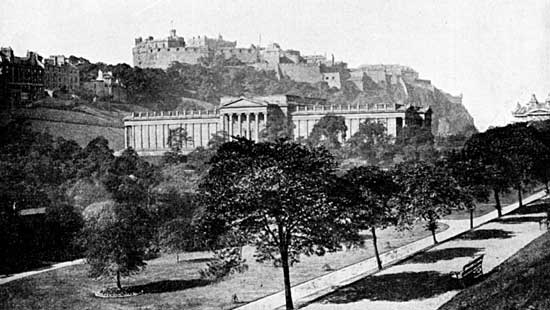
column 318, row 287
column 33, row 272
column 423, row 282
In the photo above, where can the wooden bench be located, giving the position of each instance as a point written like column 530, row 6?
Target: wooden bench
column 470, row 271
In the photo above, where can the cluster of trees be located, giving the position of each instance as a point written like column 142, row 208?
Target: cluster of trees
column 286, row 198
column 36, row 171
column 291, row 199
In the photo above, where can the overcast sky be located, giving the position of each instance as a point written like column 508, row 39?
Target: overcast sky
column 494, row 52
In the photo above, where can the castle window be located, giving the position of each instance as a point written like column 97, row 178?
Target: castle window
column 158, row 49
column 168, row 49
column 177, row 49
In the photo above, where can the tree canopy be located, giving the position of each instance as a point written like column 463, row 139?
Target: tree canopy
column 279, row 192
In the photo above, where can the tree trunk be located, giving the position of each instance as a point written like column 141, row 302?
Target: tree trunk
column 286, row 276
column 471, row 218
column 118, row 280
column 497, row 201
column 519, row 195
column 433, row 235
column 378, row 261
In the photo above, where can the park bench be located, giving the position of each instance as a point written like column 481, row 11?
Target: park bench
column 470, row 271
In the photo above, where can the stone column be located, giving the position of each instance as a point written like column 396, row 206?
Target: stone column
column 248, row 133
column 240, row 125
column 230, row 131
column 257, row 123
column 126, row 137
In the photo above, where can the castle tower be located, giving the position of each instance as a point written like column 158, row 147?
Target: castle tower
column 172, row 33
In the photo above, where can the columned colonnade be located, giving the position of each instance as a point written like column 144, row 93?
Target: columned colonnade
column 243, row 124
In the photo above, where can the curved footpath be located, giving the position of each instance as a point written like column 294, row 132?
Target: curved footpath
column 307, row 292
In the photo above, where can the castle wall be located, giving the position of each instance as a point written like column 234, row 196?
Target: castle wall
column 333, row 79
column 163, row 57
column 302, row 72
column 246, row 55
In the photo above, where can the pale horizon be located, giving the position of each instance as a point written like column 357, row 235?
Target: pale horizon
column 496, row 53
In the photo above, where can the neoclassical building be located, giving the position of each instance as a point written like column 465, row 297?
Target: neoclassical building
column 148, row 132
column 532, row 110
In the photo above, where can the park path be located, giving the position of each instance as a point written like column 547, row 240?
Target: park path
column 46, row 269
column 314, row 289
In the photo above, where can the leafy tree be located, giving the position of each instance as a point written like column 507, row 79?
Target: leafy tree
column 470, row 176
column 328, row 132
column 371, row 193
column 371, row 142
column 277, row 126
column 428, row 193
column 116, row 240
column 278, row 193
column 509, row 154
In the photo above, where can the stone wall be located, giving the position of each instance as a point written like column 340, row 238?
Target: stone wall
column 163, row 57
column 302, row 72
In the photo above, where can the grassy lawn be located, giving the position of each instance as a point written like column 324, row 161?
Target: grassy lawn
column 484, row 208
column 173, row 285
column 521, row 282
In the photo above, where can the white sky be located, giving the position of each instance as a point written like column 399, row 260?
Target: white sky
column 494, row 52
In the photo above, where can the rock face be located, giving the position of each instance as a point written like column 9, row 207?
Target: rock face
column 450, row 117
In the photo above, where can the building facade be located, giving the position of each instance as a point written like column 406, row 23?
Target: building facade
column 148, row 133
column 60, row 74
column 21, row 78
column 532, row 110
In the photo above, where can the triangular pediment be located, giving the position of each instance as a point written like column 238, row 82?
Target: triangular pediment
column 244, row 103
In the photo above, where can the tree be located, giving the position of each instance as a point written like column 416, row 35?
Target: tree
column 372, row 191
column 116, row 240
column 428, row 193
column 371, row 142
column 509, row 154
column 471, row 177
column 277, row 126
column 278, row 193
column 479, row 149
column 328, row 132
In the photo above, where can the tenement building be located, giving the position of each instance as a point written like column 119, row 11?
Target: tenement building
column 148, row 132
column 60, row 74
column 21, row 78
column 532, row 110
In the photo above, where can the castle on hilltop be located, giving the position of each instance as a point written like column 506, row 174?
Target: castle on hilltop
column 161, row 53
column 148, row 132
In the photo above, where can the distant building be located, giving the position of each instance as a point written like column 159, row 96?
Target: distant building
column 148, row 133
column 21, row 78
column 60, row 74
column 384, row 74
column 532, row 110
column 161, row 53
column 105, row 85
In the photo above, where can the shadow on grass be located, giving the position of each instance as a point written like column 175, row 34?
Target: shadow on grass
column 483, row 234
column 197, row 260
column 519, row 220
column 533, row 208
column 394, row 287
column 443, row 254
column 166, row 286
